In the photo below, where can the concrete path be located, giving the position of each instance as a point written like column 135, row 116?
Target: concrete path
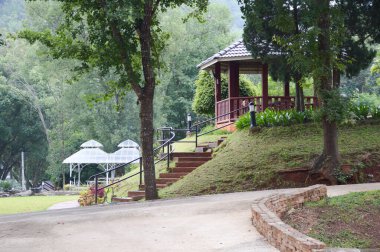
column 207, row 223
column 64, row 205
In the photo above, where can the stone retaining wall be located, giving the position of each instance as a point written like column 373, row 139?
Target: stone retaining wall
column 266, row 214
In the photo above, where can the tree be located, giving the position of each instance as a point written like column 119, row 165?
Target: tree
column 204, row 99
column 189, row 43
column 261, row 18
column 20, row 130
column 121, row 37
column 329, row 32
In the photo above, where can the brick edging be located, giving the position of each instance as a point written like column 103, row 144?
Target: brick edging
column 266, row 214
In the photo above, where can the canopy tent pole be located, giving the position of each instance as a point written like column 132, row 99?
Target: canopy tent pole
column 71, row 171
column 79, row 168
column 106, row 174
column 113, row 172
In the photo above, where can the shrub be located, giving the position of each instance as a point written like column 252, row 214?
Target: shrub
column 271, row 117
column 68, row 187
column 361, row 111
column 87, row 197
column 375, row 112
column 204, row 99
column 244, row 121
column 5, row 186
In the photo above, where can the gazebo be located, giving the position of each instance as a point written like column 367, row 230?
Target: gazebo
column 235, row 60
column 91, row 153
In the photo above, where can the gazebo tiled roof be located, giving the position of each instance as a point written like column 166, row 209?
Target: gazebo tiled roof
column 236, row 50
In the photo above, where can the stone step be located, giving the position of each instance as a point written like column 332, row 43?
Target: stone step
column 201, row 149
column 183, row 169
column 186, row 159
column 189, row 164
column 136, row 193
column 160, row 186
column 213, row 144
column 190, row 154
column 173, row 174
column 127, row 199
column 166, row 180
column 124, row 199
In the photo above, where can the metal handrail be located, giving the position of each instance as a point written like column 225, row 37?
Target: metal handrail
column 195, row 127
column 167, row 156
column 212, row 119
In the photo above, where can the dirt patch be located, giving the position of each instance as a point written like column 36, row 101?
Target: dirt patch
column 357, row 227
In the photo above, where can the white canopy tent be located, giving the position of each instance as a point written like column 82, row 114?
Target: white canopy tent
column 92, row 154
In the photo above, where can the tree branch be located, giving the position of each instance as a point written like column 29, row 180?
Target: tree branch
column 117, row 36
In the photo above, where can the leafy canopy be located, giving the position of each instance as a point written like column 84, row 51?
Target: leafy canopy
column 106, row 35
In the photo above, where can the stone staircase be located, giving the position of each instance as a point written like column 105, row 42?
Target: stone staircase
column 185, row 163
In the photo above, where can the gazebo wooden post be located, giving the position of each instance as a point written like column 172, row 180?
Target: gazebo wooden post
column 233, row 84
column 286, row 88
column 287, row 101
column 218, row 87
column 264, row 79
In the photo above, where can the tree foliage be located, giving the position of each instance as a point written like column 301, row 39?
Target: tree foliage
column 188, row 44
column 204, row 99
column 332, row 36
column 20, row 130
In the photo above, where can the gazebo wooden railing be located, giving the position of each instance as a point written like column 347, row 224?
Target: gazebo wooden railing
column 275, row 102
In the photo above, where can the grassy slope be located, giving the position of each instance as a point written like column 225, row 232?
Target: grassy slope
column 14, row 205
column 247, row 162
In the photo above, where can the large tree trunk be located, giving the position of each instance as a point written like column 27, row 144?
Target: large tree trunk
column 146, row 136
column 146, row 104
column 329, row 160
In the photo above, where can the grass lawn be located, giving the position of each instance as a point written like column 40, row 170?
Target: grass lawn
column 14, row 205
column 349, row 221
column 250, row 162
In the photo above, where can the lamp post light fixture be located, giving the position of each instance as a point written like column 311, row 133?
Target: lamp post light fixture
column 189, row 122
column 252, row 113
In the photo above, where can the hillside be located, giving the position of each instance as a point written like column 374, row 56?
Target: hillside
column 249, row 162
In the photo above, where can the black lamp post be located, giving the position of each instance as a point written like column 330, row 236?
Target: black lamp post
column 253, row 114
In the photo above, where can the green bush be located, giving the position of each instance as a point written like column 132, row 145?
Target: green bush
column 5, row 185
column 271, row 117
column 361, row 111
column 375, row 112
column 243, row 122
column 367, row 99
column 204, row 99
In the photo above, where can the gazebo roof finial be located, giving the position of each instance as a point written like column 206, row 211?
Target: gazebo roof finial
column 91, row 144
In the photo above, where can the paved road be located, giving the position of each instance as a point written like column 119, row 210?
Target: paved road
column 206, row 223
